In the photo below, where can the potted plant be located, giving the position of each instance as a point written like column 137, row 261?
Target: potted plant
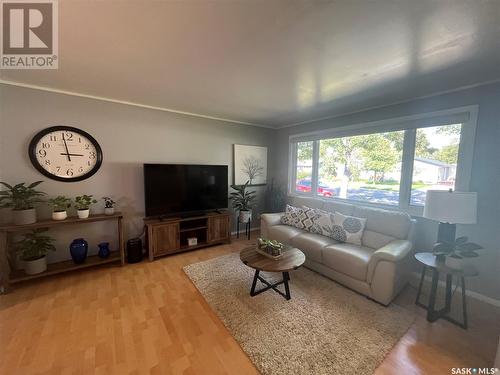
column 59, row 206
column 109, row 206
column 455, row 252
column 242, row 201
column 33, row 249
column 82, row 205
column 21, row 199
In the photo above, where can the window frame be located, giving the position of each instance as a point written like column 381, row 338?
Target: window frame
column 467, row 116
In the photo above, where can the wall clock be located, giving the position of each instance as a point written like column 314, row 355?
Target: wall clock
column 64, row 153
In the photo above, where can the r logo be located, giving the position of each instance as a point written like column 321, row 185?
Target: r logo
column 27, row 28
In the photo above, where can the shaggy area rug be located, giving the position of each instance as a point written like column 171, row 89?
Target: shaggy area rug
column 324, row 329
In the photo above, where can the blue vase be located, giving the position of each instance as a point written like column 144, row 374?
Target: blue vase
column 103, row 250
column 78, row 249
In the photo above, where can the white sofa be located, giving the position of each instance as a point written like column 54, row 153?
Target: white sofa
column 379, row 268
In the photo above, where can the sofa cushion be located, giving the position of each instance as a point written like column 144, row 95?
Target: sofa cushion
column 283, row 233
column 349, row 259
column 391, row 223
column 375, row 240
column 312, row 245
column 291, row 216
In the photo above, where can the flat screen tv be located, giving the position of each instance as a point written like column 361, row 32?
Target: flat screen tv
column 176, row 189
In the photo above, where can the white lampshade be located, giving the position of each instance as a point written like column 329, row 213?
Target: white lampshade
column 454, row 207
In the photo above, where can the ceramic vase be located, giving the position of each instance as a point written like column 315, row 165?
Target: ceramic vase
column 109, row 211
column 83, row 214
column 78, row 250
column 32, row 267
column 22, row 217
column 103, row 250
column 59, row 215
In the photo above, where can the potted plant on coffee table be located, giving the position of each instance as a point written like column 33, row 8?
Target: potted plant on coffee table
column 455, row 252
column 59, row 206
column 22, row 200
column 242, row 201
column 33, row 249
column 109, row 206
column 82, row 205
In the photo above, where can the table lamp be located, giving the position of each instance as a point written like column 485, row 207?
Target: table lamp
column 450, row 208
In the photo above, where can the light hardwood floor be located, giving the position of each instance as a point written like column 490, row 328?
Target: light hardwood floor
column 149, row 318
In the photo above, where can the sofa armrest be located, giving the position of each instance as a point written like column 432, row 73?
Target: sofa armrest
column 395, row 251
column 272, row 219
column 269, row 220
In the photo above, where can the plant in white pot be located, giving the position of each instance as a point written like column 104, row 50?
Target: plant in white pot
column 33, row 249
column 59, row 206
column 242, row 201
column 22, row 200
column 455, row 252
column 82, row 205
column 109, row 206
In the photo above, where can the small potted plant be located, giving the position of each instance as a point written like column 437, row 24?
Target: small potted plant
column 21, row 199
column 33, row 249
column 109, row 206
column 242, row 201
column 455, row 252
column 82, row 205
column 59, row 206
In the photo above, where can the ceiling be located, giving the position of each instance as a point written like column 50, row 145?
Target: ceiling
column 271, row 62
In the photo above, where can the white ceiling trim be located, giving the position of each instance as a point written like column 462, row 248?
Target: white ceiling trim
column 390, row 104
column 124, row 102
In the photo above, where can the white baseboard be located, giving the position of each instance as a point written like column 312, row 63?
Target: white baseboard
column 415, row 279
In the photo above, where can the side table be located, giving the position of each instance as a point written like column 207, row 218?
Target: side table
column 248, row 225
column 429, row 261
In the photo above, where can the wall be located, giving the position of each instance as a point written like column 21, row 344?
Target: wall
column 129, row 137
column 485, row 172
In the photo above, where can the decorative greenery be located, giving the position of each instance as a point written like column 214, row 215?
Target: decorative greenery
column 34, row 245
column 108, row 202
column 20, row 196
column 242, row 200
column 60, row 203
column 83, row 202
column 460, row 248
column 275, row 198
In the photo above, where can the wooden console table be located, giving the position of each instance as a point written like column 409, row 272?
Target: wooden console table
column 10, row 276
column 170, row 236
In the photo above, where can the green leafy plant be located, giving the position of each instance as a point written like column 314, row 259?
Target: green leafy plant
column 35, row 245
column 108, row 202
column 242, row 200
column 60, row 203
column 460, row 248
column 20, row 197
column 83, row 202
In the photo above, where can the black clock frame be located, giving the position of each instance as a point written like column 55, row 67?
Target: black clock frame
column 44, row 132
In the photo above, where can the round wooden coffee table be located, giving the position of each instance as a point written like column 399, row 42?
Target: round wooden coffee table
column 291, row 260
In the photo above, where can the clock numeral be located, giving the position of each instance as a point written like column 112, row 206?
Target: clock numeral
column 53, row 138
column 42, row 153
column 47, row 162
column 92, row 155
column 45, row 145
column 79, row 139
column 69, row 172
column 58, row 169
column 89, row 163
column 87, row 147
column 80, row 169
column 69, row 136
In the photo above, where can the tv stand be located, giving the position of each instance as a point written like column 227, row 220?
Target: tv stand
column 165, row 236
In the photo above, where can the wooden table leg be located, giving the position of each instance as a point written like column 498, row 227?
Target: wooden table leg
column 120, row 241
column 464, row 303
column 4, row 264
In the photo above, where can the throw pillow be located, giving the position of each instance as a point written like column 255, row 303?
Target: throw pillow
column 341, row 227
column 302, row 218
column 291, row 215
